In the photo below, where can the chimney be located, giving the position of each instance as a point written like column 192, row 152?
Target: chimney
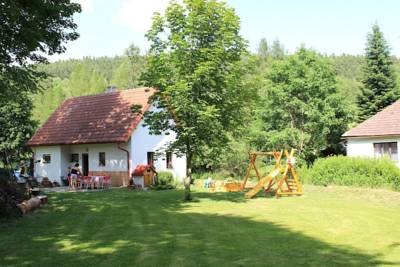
column 111, row 89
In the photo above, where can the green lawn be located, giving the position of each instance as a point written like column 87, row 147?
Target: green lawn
column 333, row 226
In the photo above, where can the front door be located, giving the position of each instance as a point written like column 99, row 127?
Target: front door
column 85, row 164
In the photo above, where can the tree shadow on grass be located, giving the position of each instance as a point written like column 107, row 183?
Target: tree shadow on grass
column 237, row 197
column 122, row 228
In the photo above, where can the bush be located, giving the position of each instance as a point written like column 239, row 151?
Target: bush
column 11, row 194
column 164, row 181
column 204, row 175
column 215, row 176
column 365, row 172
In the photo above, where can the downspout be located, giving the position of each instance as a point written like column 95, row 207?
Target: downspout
column 127, row 161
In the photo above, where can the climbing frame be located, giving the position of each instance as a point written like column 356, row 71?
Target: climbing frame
column 289, row 183
column 252, row 166
column 285, row 178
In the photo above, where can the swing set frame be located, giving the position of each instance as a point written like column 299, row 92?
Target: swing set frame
column 284, row 177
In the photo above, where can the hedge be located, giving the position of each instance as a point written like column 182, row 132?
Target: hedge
column 353, row 171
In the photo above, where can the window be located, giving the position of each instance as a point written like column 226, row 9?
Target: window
column 388, row 149
column 169, row 160
column 102, row 159
column 75, row 158
column 150, row 158
column 46, row 158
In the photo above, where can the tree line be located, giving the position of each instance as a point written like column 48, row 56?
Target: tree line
column 210, row 83
column 77, row 77
column 301, row 107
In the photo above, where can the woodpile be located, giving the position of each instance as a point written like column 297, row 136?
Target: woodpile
column 46, row 182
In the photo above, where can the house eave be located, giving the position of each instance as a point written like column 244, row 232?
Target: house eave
column 78, row 143
column 370, row 136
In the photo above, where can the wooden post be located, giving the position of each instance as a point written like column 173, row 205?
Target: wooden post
column 252, row 158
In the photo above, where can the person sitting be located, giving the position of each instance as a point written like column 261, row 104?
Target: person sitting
column 75, row 171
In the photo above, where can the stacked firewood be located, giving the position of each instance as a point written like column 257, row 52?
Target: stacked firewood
column 46, row 182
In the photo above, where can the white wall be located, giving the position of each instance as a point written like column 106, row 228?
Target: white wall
column 51, row 170
column 364, row 147
column 65, row 158
column 116, row 159
column 142, row 142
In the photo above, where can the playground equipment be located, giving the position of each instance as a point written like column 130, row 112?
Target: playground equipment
column 284, row 177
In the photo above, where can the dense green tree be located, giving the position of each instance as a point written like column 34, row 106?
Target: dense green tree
column 48, row 100
column 16, row 127
column 32, row 29
column 89, row 75
column 349, row 75
column 29, row 31
column 379, row 80
column 85, row 81
column 195, row 63
column 277, row 50
column 303, row 107
column 263, row 49
column 128, row 72
column 348, row 66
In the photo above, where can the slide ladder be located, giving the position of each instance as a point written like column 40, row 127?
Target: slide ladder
column 291, row 182
column 260, row 185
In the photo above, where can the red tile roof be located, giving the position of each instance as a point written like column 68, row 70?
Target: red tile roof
column 140, row 169
column 103, row 118
column 385, row 122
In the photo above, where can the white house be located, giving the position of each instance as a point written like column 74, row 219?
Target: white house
column 377, row 136
column 101, row 133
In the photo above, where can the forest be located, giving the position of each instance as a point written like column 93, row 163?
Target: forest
column 301, row 202
column 76, row 77
column 91, row 75
column 232, row 100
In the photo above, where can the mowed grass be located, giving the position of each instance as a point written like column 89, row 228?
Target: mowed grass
column 334, row 226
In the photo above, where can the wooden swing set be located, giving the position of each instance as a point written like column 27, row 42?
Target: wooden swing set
column 284, row 177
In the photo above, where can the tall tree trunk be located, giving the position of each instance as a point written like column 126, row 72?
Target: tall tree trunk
column 188, row 179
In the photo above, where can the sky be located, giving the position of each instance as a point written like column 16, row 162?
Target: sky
column 107, row 27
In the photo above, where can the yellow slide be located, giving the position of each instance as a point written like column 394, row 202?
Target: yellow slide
column 262, row 182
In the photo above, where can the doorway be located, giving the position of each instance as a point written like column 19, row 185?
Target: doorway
column 85, row 164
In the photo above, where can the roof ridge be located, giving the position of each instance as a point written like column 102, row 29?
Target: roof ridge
column 108, row 93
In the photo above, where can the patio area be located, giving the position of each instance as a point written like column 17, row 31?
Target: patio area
column 82, row 184
column 67, row 189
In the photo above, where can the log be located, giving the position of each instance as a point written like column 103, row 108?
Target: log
column 29, row 205
column 43, row 199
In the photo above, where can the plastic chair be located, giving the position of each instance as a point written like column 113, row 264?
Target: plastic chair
column 98, row 181
column 79, row 181
column 86, row 181
column 106, row 182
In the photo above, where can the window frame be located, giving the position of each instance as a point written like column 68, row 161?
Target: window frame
column 169, row 156
column 391, row 150
column 102, row 159
column 150, row 158
column 72, row 157
column 44, row 160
